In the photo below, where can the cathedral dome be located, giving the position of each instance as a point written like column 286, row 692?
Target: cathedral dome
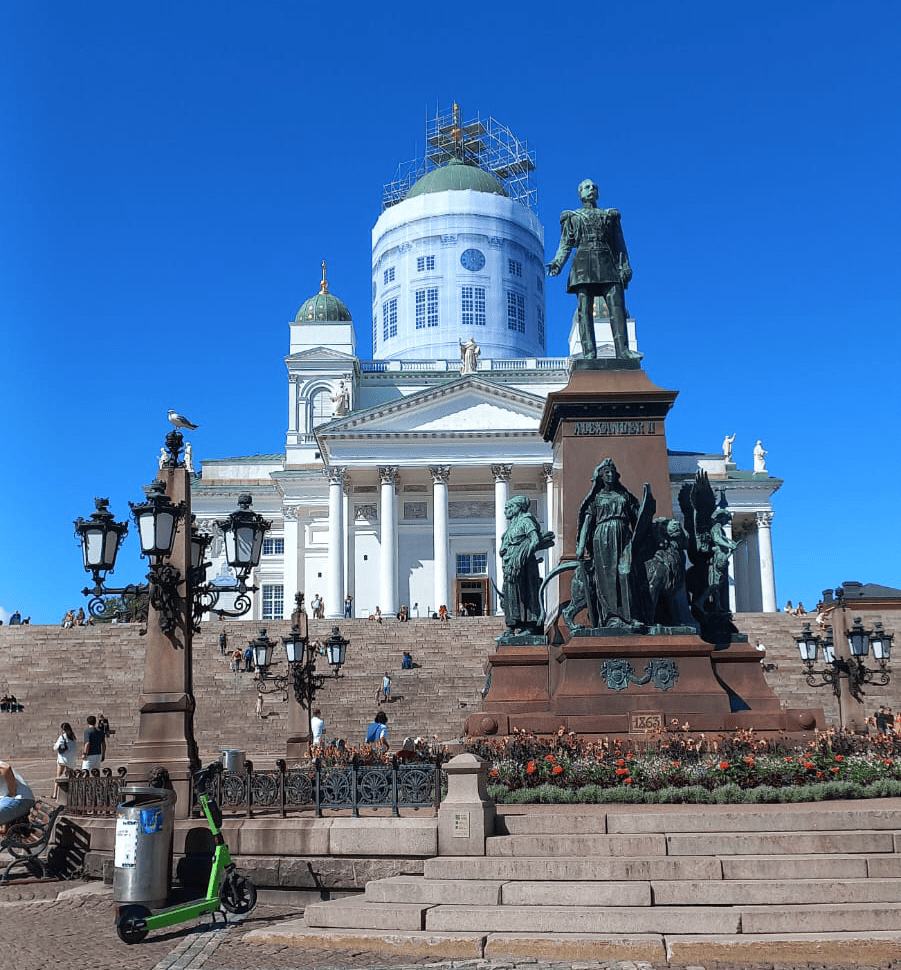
column 324, row 306
column 456, row 176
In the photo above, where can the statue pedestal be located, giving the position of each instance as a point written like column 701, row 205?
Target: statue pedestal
column 620, row 684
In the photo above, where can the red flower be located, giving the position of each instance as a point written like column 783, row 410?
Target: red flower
column 835, row 771
column 550, row 757
column 622, row 771
column 724, row 765
column 558, row 770
column 530, row 768
column 493, row 773
column 620, row 761
column 627, row 781
column 839, row 757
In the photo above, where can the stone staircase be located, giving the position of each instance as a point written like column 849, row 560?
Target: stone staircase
column 680, row 884
column 64, row 675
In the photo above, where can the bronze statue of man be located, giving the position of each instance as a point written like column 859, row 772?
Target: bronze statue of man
column 599, row 268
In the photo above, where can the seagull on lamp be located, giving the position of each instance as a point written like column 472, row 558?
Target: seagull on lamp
column 180, row 421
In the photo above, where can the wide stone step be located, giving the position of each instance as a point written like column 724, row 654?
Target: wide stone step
column 714, row 818
column 355, row 912
column 584, row 919
column 806, row 867
column 576, row 845
column 416, row 889
column 822, row 918
column 601, row 869
column 779, row 843
column 783, row 892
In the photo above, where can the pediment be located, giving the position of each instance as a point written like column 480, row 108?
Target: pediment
column 317, row 355
column 465, row 406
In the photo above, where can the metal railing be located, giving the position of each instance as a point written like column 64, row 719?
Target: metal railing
column 400, row 784
column 352, row 786
column 94, row 792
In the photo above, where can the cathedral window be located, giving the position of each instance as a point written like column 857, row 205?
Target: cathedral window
column 274, row 547
column 389, row 318
column 472, row 564
column 425, row 263
column 427, row 308
column 322, row 407
column 539, row 283
column 514, row 267
column 541, row 326
column 472, row 306
column 273, row 601
column 389, row 275
column 516, row 312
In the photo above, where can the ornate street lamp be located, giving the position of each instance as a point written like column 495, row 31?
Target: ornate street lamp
column 854, row 669
column 243, row 532
column 100, row 537
column 301, row 676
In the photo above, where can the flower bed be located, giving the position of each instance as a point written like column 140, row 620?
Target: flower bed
column 677, row 766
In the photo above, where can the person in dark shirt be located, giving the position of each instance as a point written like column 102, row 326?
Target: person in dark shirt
column 94, row 745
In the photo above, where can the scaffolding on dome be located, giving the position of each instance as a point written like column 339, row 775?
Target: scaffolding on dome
column 483, row 142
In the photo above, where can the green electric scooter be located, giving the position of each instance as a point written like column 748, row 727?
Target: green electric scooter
column 227, row 889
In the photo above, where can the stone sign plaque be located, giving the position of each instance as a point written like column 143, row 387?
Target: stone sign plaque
column 641, row 722
column 461, row 825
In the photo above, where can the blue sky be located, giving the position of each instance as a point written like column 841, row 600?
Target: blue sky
column 171, row 175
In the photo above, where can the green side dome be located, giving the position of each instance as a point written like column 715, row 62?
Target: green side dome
column 456, row 176
column 323, row 306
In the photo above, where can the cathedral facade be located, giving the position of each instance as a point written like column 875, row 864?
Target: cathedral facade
column 396, row 470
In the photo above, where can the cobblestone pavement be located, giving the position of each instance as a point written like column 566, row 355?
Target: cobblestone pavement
column 70, row 926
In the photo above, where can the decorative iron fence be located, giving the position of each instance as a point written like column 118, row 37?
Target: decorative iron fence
column 400, row 784
column 94, row 792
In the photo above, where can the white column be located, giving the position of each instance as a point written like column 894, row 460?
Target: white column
column 548, row 472
column 347, row 512
column 290, row 578
column 388, row 541
column 502, row 475
column 727, row 528
column 334, row 587
column 767, row 571
column 754, row 600
column 440, row 476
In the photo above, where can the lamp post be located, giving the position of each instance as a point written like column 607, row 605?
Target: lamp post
column 846, row 674
column 301, row 678
column 178, row 598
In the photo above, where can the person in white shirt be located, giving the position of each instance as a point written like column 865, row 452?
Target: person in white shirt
column 317, row 726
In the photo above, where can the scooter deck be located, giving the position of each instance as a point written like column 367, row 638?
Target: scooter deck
column 181, row 912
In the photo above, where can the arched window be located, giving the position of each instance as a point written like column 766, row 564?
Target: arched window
column 322, row 407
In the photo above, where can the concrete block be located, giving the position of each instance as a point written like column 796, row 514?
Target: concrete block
column 577, row 845
column 646, row 947
column 577, row 893
column 408, row 889
column 884, row 866
column 830, row 949
column 354, row 912
column 799, row 817
column 278, row 836
column 838, row 918
column 381, row 837
column 341, row 873
column 583, row 919
column 775, row 843
column 789, row 892
column 406, row 946
column 796, row 866
column 548, row 824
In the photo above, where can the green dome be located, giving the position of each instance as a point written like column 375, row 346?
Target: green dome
column 456, row 176
column 323, row 306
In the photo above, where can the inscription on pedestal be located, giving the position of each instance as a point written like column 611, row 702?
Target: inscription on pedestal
column 614, row 427
column 641, row 722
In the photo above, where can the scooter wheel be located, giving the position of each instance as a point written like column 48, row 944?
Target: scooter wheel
column 238, row 894
column 131, row 923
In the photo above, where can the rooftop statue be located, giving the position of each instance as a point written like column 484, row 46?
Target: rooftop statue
column 599, row 268
column 469, row 356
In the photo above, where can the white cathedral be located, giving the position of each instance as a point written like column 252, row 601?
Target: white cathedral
column 392, row 485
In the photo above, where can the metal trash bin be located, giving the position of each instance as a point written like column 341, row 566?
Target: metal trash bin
column 143, row 860
column 233, row 760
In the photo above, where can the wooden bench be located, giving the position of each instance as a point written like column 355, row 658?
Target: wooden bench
column 28, row 840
